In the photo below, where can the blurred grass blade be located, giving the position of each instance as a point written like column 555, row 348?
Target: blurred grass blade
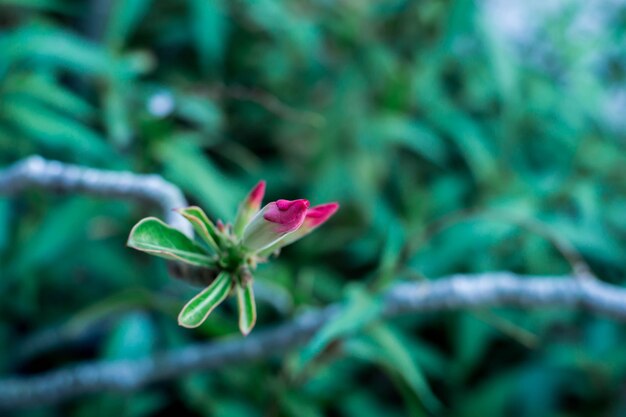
column 153, row 236
column 134, row 337
column 58, row 47
column 398, row 357
column 391, row 254
column 58, row 6
column 187, row 165
column 208, row 26
column 5, row 216
column 411, row 134
column 199, row 307
column 49, row 91
column 247, row 308
column 503, row 63
column 63, row 230
column 54, row 130
column 360, row 309
column 200, row 111
column 469, row 138
column 126, row 15
column 116, row 114
column 52, row 47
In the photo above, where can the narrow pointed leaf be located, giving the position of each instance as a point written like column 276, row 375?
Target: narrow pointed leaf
column 153, row 236
column 394, row 353
column 195, row 312
column 247, row 308
column 360, row 310
column 202, row 225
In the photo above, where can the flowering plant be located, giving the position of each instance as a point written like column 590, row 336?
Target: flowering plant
column 230, row 253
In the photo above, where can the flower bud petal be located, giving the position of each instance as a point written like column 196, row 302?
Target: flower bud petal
column 314, row 218
column 249, row 207
column 273, row 222
column 318, row 215
column 255, row 198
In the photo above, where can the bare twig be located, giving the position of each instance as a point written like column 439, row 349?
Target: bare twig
column 52, row 175
column 501, row 289
column 456, row 292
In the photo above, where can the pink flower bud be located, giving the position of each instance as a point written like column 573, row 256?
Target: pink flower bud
column 287, row 215
column 249, row 207
column 314, row 218
column 255, row 197
column 274, row 221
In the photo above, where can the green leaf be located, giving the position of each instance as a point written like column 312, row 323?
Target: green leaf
column 186, row 164
column 46, row 89
column 153, row 236
column 397, row 356
column 413, row 135
column 195, row 312
column 57, row 47
column 247, row 308
column 57, row 6
column 54, row 130
column 116, row 114
column 126, row 15
column 392, row 252
column 200, row 111
column 468, row 136
column 62, row 231
column 5, row 217
column 208, row 25
column 132, row 338
column 473, row 338
column 360, row 310
column 202, row 225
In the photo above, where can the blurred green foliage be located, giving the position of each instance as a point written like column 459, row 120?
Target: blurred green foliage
column 450, row 147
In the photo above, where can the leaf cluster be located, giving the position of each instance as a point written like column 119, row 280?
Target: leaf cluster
column 451, row 148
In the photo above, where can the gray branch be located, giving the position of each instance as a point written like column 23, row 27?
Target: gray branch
column 452, row 293
column 52, row 175
column 498, row 289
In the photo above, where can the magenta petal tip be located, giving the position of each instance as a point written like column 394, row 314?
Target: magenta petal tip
column 317, row 215
column 256, row 195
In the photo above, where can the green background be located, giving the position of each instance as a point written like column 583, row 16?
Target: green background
column 453, row 141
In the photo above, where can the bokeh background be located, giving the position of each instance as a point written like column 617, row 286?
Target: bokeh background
column 458, row 136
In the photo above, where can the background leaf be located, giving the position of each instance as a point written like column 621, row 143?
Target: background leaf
column 459, row 136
